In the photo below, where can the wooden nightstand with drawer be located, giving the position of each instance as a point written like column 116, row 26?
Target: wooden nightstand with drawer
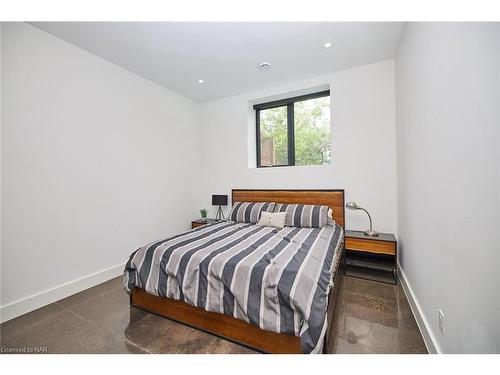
column 198, row 222
column 372, row 258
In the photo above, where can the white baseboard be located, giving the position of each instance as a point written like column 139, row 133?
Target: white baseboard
column 423, row 325
column 35, row 301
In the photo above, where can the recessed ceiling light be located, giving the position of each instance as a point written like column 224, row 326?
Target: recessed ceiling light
column 201, row 81
column 327, row 44
column 264, row 66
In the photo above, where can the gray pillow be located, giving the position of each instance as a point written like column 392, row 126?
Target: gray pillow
column 249, row 212
column 303, row 215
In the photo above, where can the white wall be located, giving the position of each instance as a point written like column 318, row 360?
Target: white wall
column 448, row 100
column 363, row 146
column 95, row 162
column 1, row 127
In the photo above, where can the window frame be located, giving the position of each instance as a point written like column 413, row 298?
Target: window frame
column 290, row 121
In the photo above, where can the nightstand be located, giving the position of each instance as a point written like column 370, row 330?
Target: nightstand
column 372, row 258
column 198, row 223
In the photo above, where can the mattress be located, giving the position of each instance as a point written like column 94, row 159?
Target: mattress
column 276, row 279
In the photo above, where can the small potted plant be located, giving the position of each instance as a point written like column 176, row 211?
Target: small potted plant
column 203, row 213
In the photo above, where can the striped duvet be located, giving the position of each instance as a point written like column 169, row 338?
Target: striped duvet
column 277, row 279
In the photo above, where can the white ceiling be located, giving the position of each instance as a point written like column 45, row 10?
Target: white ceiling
column 226, row 55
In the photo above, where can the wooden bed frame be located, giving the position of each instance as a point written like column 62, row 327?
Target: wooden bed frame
column 236, row 330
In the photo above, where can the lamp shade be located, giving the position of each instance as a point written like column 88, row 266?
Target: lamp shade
column 219, row 200
column 352, row 206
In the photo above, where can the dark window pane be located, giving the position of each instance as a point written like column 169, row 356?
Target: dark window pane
column 312, row 131
column 273, row 137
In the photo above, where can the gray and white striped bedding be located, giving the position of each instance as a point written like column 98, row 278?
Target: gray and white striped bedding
column 277, row 279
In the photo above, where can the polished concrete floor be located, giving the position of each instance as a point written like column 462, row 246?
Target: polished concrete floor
column 371, row 318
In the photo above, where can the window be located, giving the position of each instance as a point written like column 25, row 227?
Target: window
column 294, row 131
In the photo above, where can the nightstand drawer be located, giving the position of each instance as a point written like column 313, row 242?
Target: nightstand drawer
column 370, row 246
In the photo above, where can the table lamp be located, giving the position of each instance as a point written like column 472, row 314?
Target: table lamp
column 219, row 200
column 354, row 206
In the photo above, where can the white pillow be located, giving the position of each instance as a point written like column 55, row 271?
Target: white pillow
column 269, row 219
column 330, row 217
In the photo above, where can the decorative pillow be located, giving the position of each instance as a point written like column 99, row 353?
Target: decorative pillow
column 269, row 219
column 330, row 217
column 249, row 212
column 303, row 215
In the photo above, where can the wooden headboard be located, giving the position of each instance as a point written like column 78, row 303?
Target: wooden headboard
column 331, row 198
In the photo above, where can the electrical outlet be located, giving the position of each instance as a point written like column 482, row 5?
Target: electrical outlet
column 441, row 321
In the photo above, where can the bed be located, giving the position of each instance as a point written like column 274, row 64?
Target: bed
column 271, row 289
